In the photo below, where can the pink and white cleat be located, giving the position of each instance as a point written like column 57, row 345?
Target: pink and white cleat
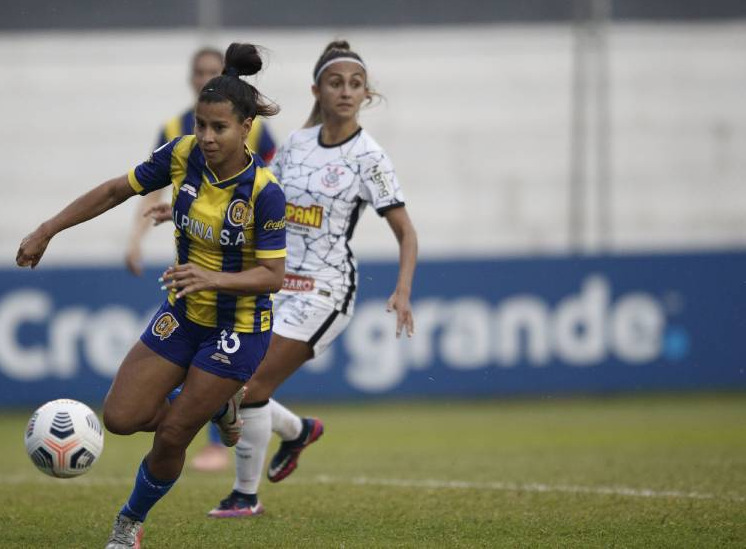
column 237, row 505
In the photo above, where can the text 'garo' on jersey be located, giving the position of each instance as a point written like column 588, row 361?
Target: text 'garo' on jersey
column 326, row 189
column 219, row 225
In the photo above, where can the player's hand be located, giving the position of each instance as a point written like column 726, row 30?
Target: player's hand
column 399, row 302
column 32, row 248
column 133, row 260
column 188, row 278
column 159, row 213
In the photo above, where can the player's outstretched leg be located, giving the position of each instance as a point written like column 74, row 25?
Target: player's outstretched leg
column 250, row 452
column 285, row 461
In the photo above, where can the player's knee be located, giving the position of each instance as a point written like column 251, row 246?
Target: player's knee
column 172, row 437
column 126, row 420
column 117, row 422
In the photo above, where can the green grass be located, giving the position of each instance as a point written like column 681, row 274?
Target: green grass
column 528, row 473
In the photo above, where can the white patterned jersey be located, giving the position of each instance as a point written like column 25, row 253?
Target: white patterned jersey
column 326, row 190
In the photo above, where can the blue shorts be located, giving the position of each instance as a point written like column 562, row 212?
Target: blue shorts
column 219, row 351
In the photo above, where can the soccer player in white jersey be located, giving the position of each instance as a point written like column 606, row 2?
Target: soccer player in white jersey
column 330, row 171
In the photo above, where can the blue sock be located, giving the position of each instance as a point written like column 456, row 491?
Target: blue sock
column 146, row 493
column 173, row 394
column 213, row 434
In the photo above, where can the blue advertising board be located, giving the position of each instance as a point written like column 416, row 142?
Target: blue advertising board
column 535, row 326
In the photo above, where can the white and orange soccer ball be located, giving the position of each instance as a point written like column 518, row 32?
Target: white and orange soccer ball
column 64, row 438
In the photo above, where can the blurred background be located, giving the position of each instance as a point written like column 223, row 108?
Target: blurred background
column 575, row 170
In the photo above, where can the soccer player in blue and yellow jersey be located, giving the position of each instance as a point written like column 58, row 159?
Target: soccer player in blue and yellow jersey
column 214, row 328
column 206, row 64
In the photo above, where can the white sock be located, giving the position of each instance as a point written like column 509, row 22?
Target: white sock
column 284, row 422
column 252, row 447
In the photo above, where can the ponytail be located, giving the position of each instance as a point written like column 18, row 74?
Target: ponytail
column 248, row 102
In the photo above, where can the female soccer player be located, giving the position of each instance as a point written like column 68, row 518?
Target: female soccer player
column 330, row 170
column 214, row 328
column 206, row 64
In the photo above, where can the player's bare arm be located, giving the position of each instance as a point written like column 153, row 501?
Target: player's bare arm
column 93, row 203
column 400, row 223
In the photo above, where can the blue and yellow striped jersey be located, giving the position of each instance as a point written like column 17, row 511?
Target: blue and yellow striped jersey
column 259, row 140
column 220, row 225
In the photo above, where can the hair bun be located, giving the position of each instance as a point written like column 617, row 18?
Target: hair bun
column 337, row 45
column 242, row 59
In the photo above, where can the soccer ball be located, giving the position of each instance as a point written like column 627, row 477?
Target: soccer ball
column 64, row 438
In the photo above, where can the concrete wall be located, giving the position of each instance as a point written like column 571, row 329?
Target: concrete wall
column 476, row 120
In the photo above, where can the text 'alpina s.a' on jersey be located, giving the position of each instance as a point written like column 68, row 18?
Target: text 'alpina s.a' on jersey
column 326, row 189
column 219, row 225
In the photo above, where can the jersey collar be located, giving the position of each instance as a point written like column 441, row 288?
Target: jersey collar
column 247, row 174
column 333, row 145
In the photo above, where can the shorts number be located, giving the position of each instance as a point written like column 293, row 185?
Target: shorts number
column 230, row 345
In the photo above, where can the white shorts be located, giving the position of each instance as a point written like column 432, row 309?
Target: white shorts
column 308, row 317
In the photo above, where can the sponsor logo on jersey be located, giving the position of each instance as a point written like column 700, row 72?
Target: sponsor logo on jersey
column 199, row 229
column 240, row 213
column 297, row 283
column 310, row 216
column 164, row 326
column 273, row 225
column 381, row 181
column 332, row 177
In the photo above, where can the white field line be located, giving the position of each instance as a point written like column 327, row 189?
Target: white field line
column 9, row 480
column 529, row 487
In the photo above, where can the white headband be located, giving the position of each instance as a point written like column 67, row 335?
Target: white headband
column 338, row 60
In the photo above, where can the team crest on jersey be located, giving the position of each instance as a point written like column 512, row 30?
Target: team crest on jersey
column 240, row 213
column 332, row 177
column 164, row 326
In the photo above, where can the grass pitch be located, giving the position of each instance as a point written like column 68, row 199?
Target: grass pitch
column 620, row 472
